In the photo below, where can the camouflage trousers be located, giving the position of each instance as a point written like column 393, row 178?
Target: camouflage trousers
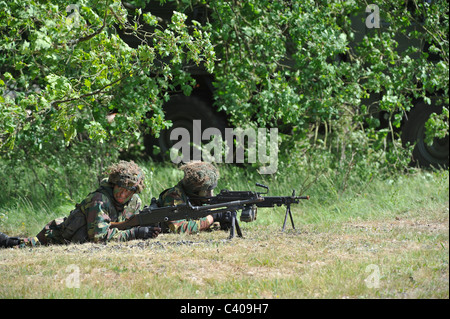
column 60, row 231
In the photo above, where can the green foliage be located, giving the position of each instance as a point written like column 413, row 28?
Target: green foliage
column 72, row 90
column 64, row 68
column 305, row 65
column 437, row 126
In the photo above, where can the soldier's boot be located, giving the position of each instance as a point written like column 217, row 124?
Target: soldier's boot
column 8, row 242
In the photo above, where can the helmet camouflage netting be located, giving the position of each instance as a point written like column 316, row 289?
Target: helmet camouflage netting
column 127, row 175
column 199, row 176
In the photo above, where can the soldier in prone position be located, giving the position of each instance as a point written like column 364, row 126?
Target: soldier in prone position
column 200, row 179
column 115, row 200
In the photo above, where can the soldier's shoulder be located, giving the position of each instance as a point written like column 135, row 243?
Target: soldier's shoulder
column 96, row 198
column 135, row 202
column 172, row 196
column 132, row 207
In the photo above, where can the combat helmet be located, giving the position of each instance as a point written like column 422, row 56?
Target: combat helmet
column 199, row 176
column 127, row 175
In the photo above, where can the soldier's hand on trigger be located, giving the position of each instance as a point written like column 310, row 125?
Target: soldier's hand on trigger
column 146, row 232
column 224, row 219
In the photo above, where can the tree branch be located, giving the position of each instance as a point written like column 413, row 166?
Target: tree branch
column 55, row 103
column 90, row 36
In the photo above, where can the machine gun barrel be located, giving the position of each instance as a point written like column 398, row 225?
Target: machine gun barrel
column 249, row 213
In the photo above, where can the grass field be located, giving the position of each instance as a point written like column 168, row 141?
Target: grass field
column 385, row 239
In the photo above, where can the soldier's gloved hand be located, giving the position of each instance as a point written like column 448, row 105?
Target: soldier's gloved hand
column 146, row 232
column 8, row 242
column 224, row 219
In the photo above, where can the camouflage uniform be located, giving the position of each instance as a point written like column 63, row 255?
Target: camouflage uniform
column 175, row 196
column 90, row 220
column 198, row 176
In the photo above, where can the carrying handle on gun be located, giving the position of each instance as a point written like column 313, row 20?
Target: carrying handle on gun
column 263, row 186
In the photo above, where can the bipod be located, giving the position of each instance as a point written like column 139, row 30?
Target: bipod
column 234, row 226
column 288, row 211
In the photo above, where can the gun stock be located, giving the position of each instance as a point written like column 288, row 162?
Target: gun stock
column 127, row 224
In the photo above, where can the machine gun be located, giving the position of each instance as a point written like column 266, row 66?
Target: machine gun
column 249, row 211
column 151, row 215
column 225, row 201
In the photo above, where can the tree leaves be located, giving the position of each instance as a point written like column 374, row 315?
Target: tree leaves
column 81, row 70
column 303, row 63
column 291, row 64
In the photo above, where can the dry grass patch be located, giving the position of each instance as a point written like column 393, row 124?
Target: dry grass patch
column 400, row 257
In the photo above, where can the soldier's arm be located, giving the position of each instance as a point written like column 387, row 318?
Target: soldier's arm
column 191, row 226
column 173, row 197
column 98, row 224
